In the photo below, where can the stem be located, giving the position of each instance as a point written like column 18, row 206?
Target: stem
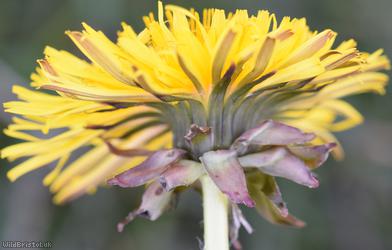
column 216, row 230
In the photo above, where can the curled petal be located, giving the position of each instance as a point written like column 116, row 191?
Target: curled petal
column 281, row 163
column 276, row 198
column 227, row 173
column 270, row 188
column 238, row 220
column 314, row 156
column 196, row 130
column 262, row 191
column 151, row 168
column 271, row 133
column 155, row 201
column 182, row 173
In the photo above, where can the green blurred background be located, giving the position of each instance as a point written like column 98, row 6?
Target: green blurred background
column 351, row 210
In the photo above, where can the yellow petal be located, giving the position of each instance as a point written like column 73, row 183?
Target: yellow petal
column 351, row 117
column 302, row 70
column 222, row 50
column 53, row 154
column 96, row 46
column 313, row 46
column 49, row 178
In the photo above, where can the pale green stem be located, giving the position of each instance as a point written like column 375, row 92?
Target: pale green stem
column 215, row 208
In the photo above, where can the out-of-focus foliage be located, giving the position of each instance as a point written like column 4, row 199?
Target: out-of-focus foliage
column 351, row 210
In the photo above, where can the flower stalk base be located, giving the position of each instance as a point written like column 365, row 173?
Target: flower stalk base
column 215, row 209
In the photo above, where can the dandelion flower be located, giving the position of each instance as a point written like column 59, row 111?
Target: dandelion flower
column 220, row 102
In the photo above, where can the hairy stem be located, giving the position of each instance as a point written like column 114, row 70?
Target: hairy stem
column 216, row 230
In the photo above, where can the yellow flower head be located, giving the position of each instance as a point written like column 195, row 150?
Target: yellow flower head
column 240, row 97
